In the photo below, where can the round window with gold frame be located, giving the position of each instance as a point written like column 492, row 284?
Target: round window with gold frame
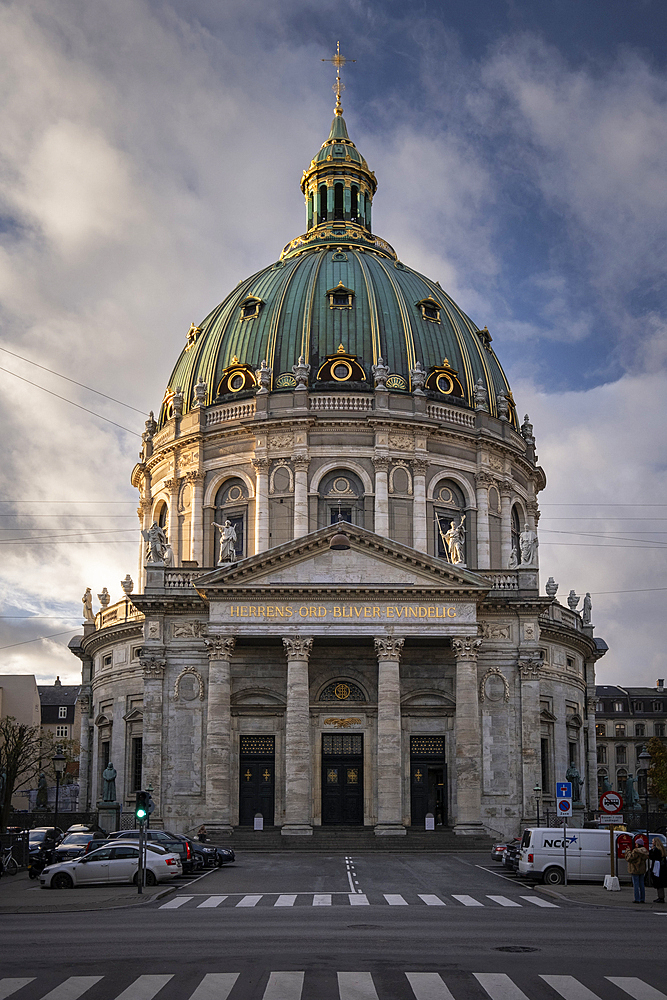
column 341, row 371
column 444, row 384
column 236, row 382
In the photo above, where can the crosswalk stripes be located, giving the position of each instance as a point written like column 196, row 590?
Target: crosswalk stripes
column 351, row 986
column 636, row 988
column 293, row 899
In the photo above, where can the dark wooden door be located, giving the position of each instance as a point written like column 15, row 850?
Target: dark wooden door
column 342, row 791
column 256, row 790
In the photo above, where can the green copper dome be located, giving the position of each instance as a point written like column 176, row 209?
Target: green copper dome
column 338, row 290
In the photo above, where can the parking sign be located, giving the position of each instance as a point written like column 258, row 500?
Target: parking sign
column 564, row 807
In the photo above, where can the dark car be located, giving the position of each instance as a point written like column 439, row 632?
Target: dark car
column 85, row 828
column 213, row 856
column 511, row 855
column 73, row 845
column 42, row 841
column 179, row 845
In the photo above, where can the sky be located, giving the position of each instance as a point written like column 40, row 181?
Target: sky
column 150, row 158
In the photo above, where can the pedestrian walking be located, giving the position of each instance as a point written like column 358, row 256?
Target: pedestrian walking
column 636, row 859
column 657, row 857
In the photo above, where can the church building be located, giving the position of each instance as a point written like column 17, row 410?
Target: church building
column 337, row 617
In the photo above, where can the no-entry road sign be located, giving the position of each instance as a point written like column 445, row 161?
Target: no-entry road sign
column 611, row 802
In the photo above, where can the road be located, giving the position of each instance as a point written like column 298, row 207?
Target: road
column 311, row 927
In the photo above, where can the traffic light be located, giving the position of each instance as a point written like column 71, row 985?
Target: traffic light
column 141, row 806
column 150, row 805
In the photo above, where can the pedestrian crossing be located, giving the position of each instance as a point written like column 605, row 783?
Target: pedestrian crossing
column 340, row 986
column 286, row 900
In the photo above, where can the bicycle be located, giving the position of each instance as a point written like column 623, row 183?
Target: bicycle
column 9, row 865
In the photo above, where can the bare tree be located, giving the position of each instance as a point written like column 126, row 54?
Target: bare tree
column 25, row 751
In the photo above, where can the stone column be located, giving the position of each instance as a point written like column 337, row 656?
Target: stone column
column 381, row 497
column 261, row 504
column 390, row 800
column 468, row 738
column 529, row 671
column 172, row 519
column 298, row 805
column 419, row 526
column 153, row 668
column 84, row 754
column 482, row 482
column 218, row 734
column 300, row 497
column 197, row 528
column 505, row 524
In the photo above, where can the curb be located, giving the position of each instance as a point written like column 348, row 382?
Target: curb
column 577, row 902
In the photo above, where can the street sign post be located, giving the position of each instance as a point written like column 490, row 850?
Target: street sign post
column 564, row 809
column 611, row 819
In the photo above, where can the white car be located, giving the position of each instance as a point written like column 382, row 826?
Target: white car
column 112, row 863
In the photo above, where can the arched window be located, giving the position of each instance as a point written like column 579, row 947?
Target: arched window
column 448, row 506
column 231, row 504
column 310, row 210
column 354, row 203
column 339, row 214
column 162, row 515
column 323, row 203
column 341, row 491
column 516, row 536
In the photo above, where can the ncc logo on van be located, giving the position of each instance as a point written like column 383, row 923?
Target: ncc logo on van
column 611, row 802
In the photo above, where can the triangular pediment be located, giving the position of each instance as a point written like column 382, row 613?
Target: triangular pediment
column 371, row 563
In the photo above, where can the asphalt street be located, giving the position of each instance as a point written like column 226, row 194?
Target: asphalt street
column 327, row 927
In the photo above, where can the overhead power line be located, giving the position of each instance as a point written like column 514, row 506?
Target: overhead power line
column 71, row 402
column 39, row 638
column 73, row 381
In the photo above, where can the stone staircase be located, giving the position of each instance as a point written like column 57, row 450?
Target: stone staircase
column 353, row 840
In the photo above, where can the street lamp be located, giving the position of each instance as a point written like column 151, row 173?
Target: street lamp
column 644, row 760
column 59, row 761
column 536, row 791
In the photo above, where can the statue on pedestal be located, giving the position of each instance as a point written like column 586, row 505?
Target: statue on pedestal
column 109, row 789
column 572, row 775
column 156, row 543
column 227, row 553
column 455, row 541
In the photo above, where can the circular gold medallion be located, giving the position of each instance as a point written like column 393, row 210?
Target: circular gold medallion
column 342, row 691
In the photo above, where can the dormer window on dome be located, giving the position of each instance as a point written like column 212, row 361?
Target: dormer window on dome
column 340, row 297
column 430, row 310
column 236, row 378
column 444, row 379
column 341, row 367
column 251, row 307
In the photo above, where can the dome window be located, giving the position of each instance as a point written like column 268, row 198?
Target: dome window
column 430, row 310
column 236, row 378
column 340, row 297
column 444, row 379
column 341, row 367
column 339, row 151
column 250, row 307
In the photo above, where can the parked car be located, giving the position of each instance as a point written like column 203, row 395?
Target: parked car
column 41, row 842
column 213, row 856
column 85, row 828
column 73, row 845
column 511, row 855
column 174, row 842
column 112, row 863
column 498, row 850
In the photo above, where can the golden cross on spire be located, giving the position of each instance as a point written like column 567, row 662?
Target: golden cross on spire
column 338, row 87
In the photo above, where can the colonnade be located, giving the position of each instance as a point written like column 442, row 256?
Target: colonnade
column 298, row 751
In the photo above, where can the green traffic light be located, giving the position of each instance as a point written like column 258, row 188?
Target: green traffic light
column 141, row 813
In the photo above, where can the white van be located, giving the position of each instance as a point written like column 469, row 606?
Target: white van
column 588, row 855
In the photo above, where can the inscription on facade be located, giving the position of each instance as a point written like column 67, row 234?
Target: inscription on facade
column 351, row 611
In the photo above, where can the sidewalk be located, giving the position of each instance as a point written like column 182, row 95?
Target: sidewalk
column 589, row 894
column 20, row 894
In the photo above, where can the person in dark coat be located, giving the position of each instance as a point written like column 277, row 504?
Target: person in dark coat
column 658, row 860
column 637, row 860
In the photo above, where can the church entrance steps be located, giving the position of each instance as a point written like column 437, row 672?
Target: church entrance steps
column 354, row 839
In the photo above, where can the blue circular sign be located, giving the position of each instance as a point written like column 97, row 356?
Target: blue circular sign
column 564, row 805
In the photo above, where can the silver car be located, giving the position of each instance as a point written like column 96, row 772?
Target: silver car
column 112, row 863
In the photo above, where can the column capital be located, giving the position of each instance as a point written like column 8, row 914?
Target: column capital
column 153, row 667
column 298, row 647
column 420, row 466
column 261, row 465
column 388, row 648
column 381, row 463
column 466, row 648
column 484, row 479
column 529, row 667
column 172, row 484
column 220, row 647
column 197, row 476
column 301, row 464
column 533, row 509
column 506, row 489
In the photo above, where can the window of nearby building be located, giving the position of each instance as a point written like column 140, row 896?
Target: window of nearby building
column 599, row 706
column 659, row 728
column 638, row 706
column 137, row 752
column 638, row 749
column 618, row 706
column 62, row 711
column 546, row 766
column 602, row 776
column 620, row 729
column 621, row 778
column 570, row 663
column 640, row 729
column 657, row 706
column 621, row 755
column 600, row 729
column 602, row 754
column 62, row 731
column 107, row 660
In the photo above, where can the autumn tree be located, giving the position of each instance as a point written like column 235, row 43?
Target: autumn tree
column 25, row 751
column 657, row 771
